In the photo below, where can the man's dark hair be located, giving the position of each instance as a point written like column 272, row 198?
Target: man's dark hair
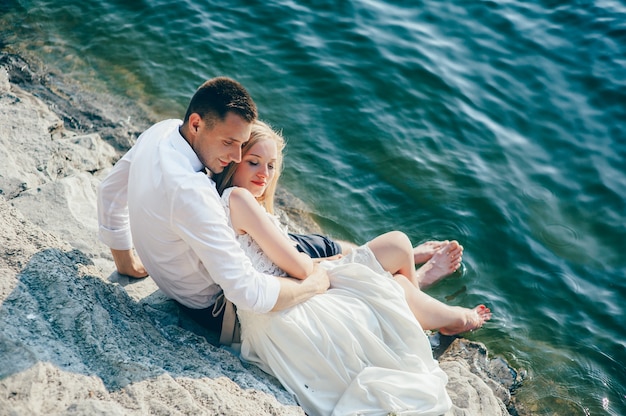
column 218, row 96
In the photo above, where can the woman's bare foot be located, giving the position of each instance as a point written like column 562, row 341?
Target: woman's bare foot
column 443, row 262
column 470, row 320
column 424, row 252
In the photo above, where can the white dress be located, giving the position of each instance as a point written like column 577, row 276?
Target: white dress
column 355, row 350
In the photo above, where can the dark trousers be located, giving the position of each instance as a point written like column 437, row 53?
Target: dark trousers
column 315, row 245
column 205, row 318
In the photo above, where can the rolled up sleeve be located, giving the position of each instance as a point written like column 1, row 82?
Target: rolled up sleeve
column 113, row 223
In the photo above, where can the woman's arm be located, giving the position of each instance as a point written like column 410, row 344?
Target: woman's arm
column 247, row 216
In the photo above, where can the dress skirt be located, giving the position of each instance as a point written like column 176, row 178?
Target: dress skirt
column 355, row 350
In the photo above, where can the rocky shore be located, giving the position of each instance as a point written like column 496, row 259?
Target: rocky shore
column 78, row 338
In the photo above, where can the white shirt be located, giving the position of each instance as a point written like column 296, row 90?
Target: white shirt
column 159, row 194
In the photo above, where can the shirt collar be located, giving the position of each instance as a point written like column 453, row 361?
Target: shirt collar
column 181, row 145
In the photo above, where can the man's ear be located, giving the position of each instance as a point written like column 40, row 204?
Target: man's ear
column 194, row 123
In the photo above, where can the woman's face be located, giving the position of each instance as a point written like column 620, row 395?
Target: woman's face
column 257, row 167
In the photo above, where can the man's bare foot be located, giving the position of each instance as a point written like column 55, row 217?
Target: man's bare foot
column 470, row 320
column 445, row 261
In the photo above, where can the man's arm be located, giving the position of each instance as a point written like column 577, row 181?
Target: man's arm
column 113, row 223
column 294, row 291
column 307, row 279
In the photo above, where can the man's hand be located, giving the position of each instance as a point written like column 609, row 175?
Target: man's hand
column 294, row 291
column 128, row 264
column 320, row 279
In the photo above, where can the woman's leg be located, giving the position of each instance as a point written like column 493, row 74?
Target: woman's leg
column 433, row 314
column 396, row 254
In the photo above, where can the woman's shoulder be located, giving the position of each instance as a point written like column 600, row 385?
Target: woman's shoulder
column 239, row 197
column 226, row 192
column 237, row 192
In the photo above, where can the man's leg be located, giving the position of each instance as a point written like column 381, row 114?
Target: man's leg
column 316, row 246
column 207, row 317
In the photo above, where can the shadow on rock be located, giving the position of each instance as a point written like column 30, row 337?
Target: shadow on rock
column 60, row 314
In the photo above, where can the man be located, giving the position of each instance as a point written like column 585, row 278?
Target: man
column 160, row 194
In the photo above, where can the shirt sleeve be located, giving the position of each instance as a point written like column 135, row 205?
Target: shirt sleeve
column 207, row 232
column 113, row 224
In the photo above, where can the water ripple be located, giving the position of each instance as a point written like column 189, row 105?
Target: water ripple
column 558, row 236
column 443, row 229
column 538, row 193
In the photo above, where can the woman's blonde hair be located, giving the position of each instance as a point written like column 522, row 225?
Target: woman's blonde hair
column 260, row 131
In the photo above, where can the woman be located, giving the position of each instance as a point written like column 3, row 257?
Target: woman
column 358, row 348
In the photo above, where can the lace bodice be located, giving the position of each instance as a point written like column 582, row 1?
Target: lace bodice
column 260, row 261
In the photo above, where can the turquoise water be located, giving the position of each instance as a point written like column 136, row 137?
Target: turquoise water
column 499, row 124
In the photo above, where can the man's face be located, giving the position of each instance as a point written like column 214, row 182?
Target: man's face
column 217, row 147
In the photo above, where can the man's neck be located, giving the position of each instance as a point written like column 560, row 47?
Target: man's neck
column 181, row 131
